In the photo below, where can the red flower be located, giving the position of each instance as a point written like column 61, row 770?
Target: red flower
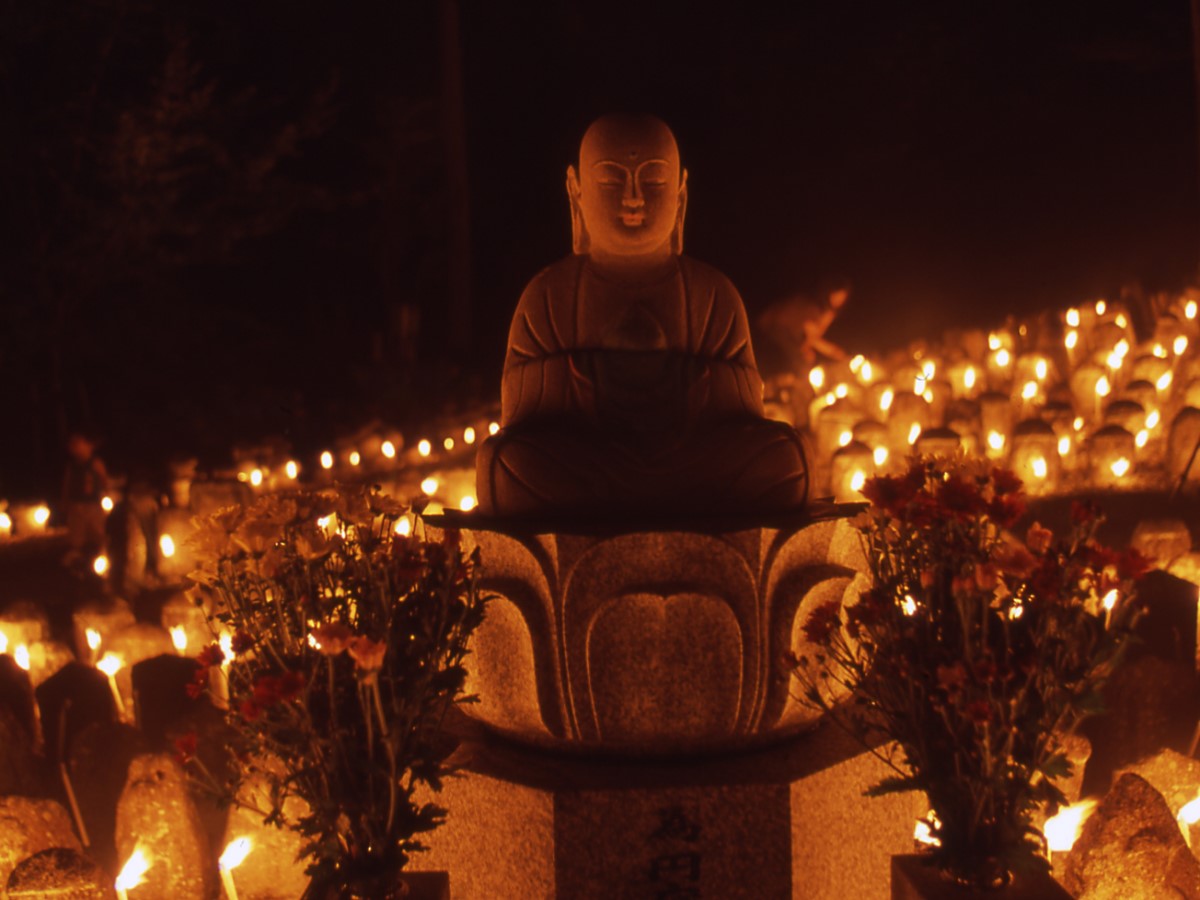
column 1006, row 481
column 249, row 710
column 211, row 655
column 960, row 498
column 822, row 622
column 889, row 492
column 1084, row 512
column 979, row 712
column 241, row 643
column 1006, row 508
column 185, row 747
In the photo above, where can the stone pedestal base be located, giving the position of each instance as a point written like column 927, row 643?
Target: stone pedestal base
column 780, row 823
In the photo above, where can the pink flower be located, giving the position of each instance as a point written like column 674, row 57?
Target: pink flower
column 367, row 654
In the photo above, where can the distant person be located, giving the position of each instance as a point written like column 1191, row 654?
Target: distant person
column 795, row 327
column 84, row 485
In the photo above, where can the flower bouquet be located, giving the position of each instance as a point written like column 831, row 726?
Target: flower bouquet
column 971, row 655
column 342, row 639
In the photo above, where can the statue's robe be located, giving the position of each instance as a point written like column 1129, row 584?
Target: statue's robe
column 619, row 396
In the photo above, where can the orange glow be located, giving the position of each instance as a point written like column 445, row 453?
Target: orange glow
column 326, row 460
column 133, row 872
column 1062, row 830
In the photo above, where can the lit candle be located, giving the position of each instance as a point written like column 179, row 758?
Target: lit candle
column 179, row 639
column 5, row 525
column 1109, row 602
column 93, row 642
column 110, row 664
column 132, row 873
column 234, row 855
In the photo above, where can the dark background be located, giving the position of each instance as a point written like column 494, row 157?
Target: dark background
column 237, row 220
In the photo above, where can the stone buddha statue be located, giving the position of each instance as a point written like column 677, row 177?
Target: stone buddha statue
column 630, row 383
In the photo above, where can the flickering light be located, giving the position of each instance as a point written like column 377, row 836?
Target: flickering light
column 1141, row 439
column 969, row 377
column 994, row 342
column 830, row 398
column 1029, row 391
column 235, row 853
column 841, row 390
column 110, row 664
column 326, row 460
column 166, row 545
column 5, row 524
column 1101, row 307
column 1073, row 317
column 326, row 523
column 493, row 427
column 429, row 486
column 424, row 448
column 225, row 642
column 1062, row 830
column 928, row 368
column 1188, row 815
column 448, row 443
column 292, row 469
column 886, row 398
column 1189, row 310
column 1120, row 467
column 1160, row 351
column 1114, row 360
column 845, row 437
column 866, row 374
column 468, row 435
column 919, row 385
column 1038, row 466
column 403, row 527
column 178, row 638
column 132, row 873
column 1041, row 369
column 41, row 515
column 1064, row 445
column 1153, row 418
column 927, row 395
column 1180, row 346
column 106, row 503
column 1121, row 321
column 909, row 605
column 388, row 449
column 355, row 457
column 1003, row 358
column 467, row 503
column 92, row 636
column 1110, row 600
column 1164, row 381
column 1077, row 423
column 3, row 642
column 21, row 656
column 1103, row 388
column 816, row 377
column 857, row 480
column 1016, row 610
column 856, row 363
column 256, row 477
column 995, row 440
column 100, row 565
column 914, row 432
column 880, row 455
column 923, row 833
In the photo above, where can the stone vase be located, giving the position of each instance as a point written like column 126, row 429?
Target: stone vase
column 388, row 886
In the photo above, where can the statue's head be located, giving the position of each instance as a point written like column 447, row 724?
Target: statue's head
column 629, row 196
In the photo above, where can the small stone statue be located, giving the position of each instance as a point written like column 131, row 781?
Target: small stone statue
column 630, row 383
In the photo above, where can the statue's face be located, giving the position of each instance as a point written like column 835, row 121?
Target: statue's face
column 629, row 185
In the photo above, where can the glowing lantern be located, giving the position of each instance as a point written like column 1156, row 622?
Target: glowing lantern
column 388, row 449
column 880, row 455
column 429, row 486
column 1101, row 307
column 166, row 545
column 100, row 565
column 355, row 457
column 448, row 443
column 106, row 503
column 132, row 873
column 41, row 515
column 292, row 469
column 1120, row 467
column 1038, row 466
column 1073, row 317
column 326, row 460
column 256, row 477
column 468, row 435
column 424, row 448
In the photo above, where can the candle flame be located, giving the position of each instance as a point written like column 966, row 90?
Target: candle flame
column 100, row 564
column 429, row 486
column 225, row 642
column 1164, row 381
column 388, row 449
column 1072, row 339
column 1077, row 423
column 880, row 454
column 886, row 398
column 1121, row 321
column 1101, row 307
column 1141, row 438
column 179, row 637
column 110, row 664
column 1029, row 391
column 816, row 377
column 857, row 480
column 1038, row 466
column 235, row 853
column 326, row 459
column 1110, row 600
column 256, row 477
column 1103, row 388
column 1153, row 418
column 1062, row 830
column 3, row 642
column 424, row 448
column 845, row 437
column 909, row 605
column 41, row 515
column 841, row 390
column 448, row 443
column 994, row 341
column 1180, row 345
column 1073, row 317
column 995, row 440
column 21, row 656
column 1064, row 445
column 1120, row 467
column 1188, row 815
column 914, row 432
column 5, row 523
column 493, row 427
column 292, row 469
column 969, row 378
column 1189, row 310
column 166, row 544
column 468, row 435
column 1160, row 351
column 355, row 457
column 923, row 831
column 403, row 527
column 93, row 638
column 467, row 503
column 134, row 871
column 866, row 373
column 1003, row 358
column 106, row 503
column 856, row 363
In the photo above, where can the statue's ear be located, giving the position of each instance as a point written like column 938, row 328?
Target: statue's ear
column 580, row 244
column 677, row 234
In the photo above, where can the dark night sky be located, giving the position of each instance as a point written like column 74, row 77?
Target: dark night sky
column 958, row 161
